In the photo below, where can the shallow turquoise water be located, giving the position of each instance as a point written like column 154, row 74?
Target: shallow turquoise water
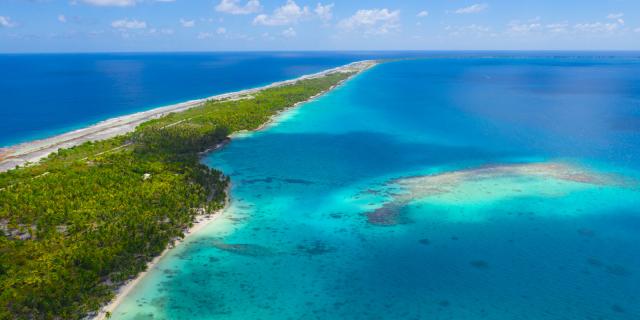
column 517, row 198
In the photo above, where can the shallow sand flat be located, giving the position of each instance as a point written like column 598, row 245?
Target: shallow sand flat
column 34, row 151
column 421, row 186
column 490, row 183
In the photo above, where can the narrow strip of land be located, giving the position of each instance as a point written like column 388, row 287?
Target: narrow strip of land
column 33, row 151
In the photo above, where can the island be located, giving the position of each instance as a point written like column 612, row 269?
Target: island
column 83, row 213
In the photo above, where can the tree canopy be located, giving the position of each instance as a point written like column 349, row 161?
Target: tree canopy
column 76, row 225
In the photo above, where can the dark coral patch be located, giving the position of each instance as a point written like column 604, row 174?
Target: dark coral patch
column 315, row 248
column 617, row 308
column 618, row 270
column 444, row 303
column 371, row 192
column 336, row 215
column 298, row 181
column 390, row 214
column 479, row 264
column 594, row 262
column 244, row 249
column 586, row 233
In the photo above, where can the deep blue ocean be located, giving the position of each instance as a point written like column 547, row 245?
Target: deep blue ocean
column 460, row 186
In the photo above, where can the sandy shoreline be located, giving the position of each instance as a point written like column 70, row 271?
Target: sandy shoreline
column 204, row 220
column 122, row 292
column 34, row 151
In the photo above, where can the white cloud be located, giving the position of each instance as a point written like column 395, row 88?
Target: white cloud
column 165, row 31
column 596, row 27
column 128, row 24
column 558, row 27
column 516, row 26
column 208, row 35
column 234, row 7
column 611, row 26
column 478, row 7
column 289, row 33
column 111, row 3
column 617, row 24
column 62, row 18
column 637, row 30
column 373, row 21
column 473, row 29
column 324, row 11
column 5, row 22
column 187, row 23
column 205, row 35
column 290, row 13
column 423, row 13
column 617, row 17
column 536, row 26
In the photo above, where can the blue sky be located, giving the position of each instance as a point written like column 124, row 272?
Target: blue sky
column 210, row 25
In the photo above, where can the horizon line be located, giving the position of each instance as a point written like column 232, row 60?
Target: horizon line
column 339, row 51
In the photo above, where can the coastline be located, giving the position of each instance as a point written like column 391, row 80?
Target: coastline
column 201, row 222
column 273, row 120
column 33, row 151
column 204, row 220
column 124, row 289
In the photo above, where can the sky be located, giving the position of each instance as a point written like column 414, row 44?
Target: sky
column 282, row 25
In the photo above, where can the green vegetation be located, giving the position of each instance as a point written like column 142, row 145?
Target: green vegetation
column 85, row 219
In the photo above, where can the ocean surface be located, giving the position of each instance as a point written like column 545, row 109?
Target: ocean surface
column 48, row 94
column 444, row 188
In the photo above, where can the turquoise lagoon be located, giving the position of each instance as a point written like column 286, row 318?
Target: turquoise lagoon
column 469, row 188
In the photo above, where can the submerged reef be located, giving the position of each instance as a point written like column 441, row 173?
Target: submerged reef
column 390, row 214
column 479, row 264
column 492, row 182
column 245, row 249
column 447, row 182
column 315, row 248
